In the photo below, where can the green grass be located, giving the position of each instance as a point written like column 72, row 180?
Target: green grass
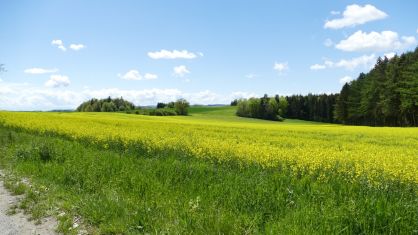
column 227, row 113
column 118, row 193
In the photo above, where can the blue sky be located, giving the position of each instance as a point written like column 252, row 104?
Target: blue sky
column 59, row 53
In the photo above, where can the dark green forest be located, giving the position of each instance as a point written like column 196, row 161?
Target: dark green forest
column 319, row 108
column 310, row 107
column 386, row 96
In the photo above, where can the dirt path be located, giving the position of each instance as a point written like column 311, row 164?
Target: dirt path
column 18, row 223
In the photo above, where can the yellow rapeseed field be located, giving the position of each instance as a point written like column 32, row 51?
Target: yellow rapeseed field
column 357, row 152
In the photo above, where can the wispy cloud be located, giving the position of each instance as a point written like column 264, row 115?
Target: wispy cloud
column 134, row 74
column 252, row 76
column 175, row 54
column 131, row 75
column 328, row 42
column 77, row 47
column 58, row 43
column 356, row 15
column 40, row 71
column 281, row 67
column 180, row 71
column 150, row 76
column 366, row 61
column 57, row 80
column 318, row 67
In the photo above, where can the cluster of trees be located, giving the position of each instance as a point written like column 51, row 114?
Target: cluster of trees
column 386, row 96
column 106, row 105
column 269, row 108
column 311, row 107
column 181, row 107
column 161, row 105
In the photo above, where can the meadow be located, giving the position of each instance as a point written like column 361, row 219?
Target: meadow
column 212, row 172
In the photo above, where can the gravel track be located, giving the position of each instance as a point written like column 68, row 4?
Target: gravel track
column 18, row 223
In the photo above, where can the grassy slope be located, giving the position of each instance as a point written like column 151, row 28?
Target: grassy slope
column 227, row 113
column 120, row 193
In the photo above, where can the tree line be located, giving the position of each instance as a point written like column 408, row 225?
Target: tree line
column 179, row 107
column 386, row 96
column 309, row 107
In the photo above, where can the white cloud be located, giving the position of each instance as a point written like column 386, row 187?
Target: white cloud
column 131, row 75
column 204, row 97
column 281, row 67
column 40, row 71
column 390, row 55
column 180, row 71
column 77, row 47
column 242, row 95
column 356, row 15
column 366, row 61
column 24, row 96
column 328, row 42
column 175, row 54
column 318, row 67
column 251, row 76
column 150, row 76
column 335, row 12
column 345, row 79
column 374, row 41
column 134, row 74
column 57, row 80
column 59, row 44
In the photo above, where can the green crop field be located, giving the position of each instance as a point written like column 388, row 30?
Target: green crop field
column 211, row 172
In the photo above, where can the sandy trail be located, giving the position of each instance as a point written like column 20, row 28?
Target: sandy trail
column 18, row 223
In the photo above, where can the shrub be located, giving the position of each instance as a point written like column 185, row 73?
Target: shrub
column 162, row 112
column 45, row 153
